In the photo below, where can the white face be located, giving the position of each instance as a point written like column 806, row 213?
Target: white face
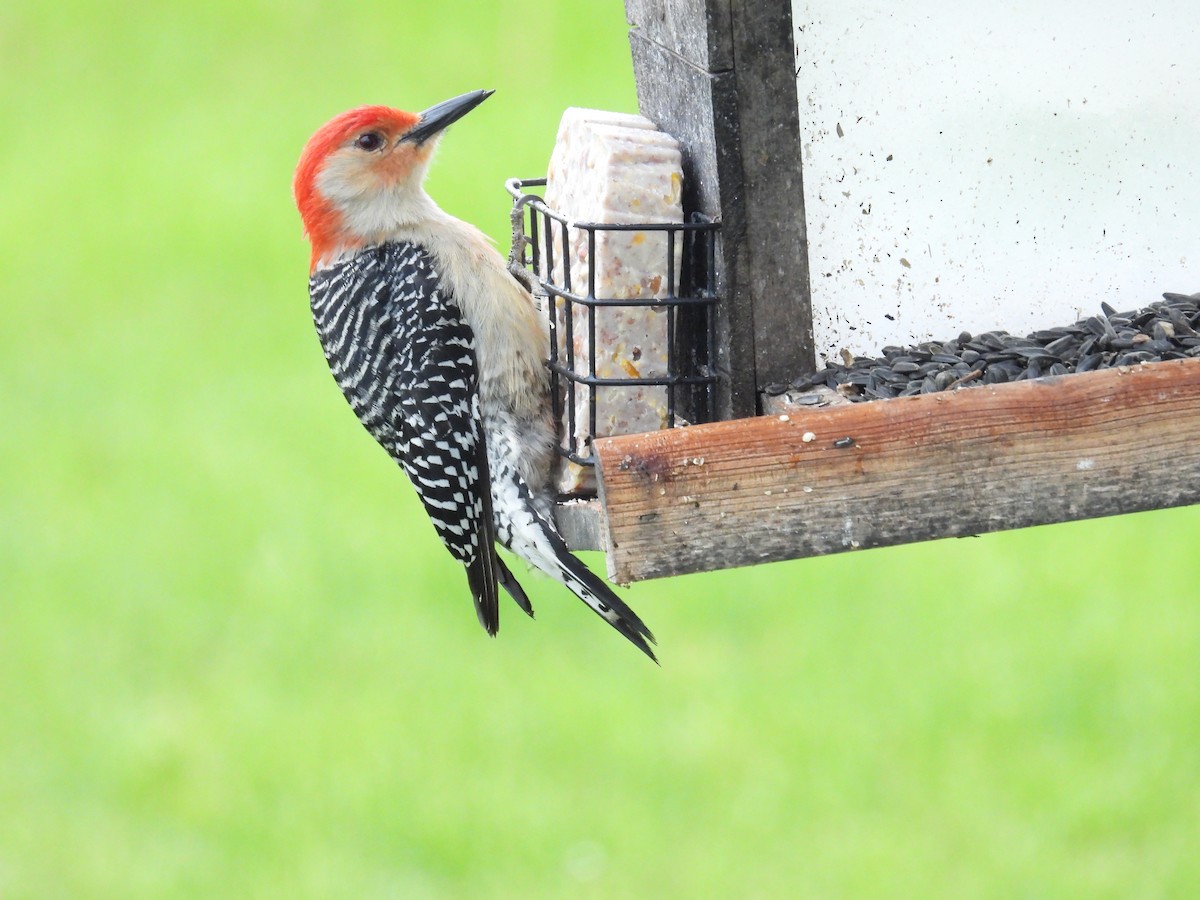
column 374, row 179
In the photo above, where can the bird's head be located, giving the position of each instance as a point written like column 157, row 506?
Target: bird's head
column 360, row 176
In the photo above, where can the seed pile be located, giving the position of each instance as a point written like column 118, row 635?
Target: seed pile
column 1169, row 329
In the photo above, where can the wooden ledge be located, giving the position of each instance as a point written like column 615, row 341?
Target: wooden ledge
column 816, row 481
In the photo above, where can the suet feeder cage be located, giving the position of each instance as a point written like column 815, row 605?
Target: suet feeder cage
column 542, row 247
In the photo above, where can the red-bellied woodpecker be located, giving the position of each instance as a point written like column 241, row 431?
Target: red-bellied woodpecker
column 439, row 351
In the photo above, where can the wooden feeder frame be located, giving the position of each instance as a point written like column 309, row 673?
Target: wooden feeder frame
column 804, row 480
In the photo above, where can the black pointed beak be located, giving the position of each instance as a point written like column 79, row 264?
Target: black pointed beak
column 437, row 118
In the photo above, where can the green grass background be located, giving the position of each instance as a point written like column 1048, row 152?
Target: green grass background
column 235, row 661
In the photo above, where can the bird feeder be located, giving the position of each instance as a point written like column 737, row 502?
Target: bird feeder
column 892, row 216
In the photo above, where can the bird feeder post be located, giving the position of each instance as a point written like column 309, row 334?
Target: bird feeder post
column 719, row 75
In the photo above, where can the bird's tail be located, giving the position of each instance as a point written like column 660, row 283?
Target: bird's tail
column 589, row 588
column 539, row 543
column 509, row 582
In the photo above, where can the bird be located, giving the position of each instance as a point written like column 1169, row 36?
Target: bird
column 439, row 351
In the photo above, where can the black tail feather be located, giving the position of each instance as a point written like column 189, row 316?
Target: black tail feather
column 509, row 582
column 481, row 576
column 484, row 569
column 626, row 621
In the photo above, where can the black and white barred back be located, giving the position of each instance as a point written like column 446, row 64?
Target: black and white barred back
column 404, row 357
column 405, row 360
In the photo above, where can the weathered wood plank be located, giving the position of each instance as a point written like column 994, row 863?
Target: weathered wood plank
column 696, row 30
column 581, row 524
column 699, row 109
column 719, row 75
column 776, row 227
column 982, row 459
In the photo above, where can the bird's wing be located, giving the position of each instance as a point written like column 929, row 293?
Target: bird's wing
column 437, row 420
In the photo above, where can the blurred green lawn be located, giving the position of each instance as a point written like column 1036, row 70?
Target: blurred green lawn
column 235, row 662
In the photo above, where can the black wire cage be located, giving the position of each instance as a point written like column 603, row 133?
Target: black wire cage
column 600, row 384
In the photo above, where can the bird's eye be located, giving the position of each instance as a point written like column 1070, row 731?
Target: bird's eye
column 370, row 141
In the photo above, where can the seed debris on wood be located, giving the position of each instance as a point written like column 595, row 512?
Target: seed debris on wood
column 1167, row 329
